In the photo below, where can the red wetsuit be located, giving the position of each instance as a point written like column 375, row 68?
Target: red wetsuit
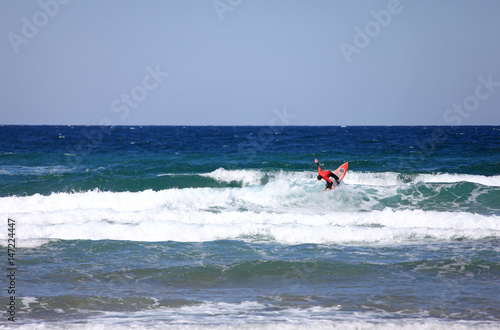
column 325, row 174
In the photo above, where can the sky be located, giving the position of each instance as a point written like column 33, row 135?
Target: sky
column 250, row 62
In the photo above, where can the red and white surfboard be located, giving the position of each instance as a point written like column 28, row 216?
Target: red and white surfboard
column 340, row 172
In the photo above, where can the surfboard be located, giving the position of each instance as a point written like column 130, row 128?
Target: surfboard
column 340, row 172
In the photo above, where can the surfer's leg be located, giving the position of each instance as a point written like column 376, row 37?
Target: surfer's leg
column 332, row 175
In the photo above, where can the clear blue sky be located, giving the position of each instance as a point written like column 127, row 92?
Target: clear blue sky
column 241, row 62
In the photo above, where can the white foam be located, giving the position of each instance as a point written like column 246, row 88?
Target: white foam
column 372, row 178
column 117, row 323
column 453, row 178
column 256, row 315
column 246, row 177
column 289, row 208
column 33, row 170
column 292, row 215
column 256, row 177
column 27, row 301
column 394, row 179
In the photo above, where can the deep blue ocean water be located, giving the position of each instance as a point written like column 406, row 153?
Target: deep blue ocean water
column 224, row 227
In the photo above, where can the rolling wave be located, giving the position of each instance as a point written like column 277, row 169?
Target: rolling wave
column 286, row 207
column 253, row 177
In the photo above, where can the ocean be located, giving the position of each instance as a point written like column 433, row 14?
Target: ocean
column 228, row 227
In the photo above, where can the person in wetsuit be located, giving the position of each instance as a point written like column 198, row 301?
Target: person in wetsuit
column 326, row 175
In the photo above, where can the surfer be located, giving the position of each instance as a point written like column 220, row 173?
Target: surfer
column 326, row 175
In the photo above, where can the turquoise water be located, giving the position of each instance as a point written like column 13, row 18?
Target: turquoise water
column 228, row 227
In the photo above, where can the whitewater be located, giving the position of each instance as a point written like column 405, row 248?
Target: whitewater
column 284, row 207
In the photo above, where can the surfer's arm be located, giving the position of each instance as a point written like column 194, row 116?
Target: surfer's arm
column 317, row 163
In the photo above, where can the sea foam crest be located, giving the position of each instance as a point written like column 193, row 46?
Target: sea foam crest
column 393, row 178
column 33, row 170
column 291, row 216
column 452, row 178
column 245, row 177
column 287, row 207
column 256, row 177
